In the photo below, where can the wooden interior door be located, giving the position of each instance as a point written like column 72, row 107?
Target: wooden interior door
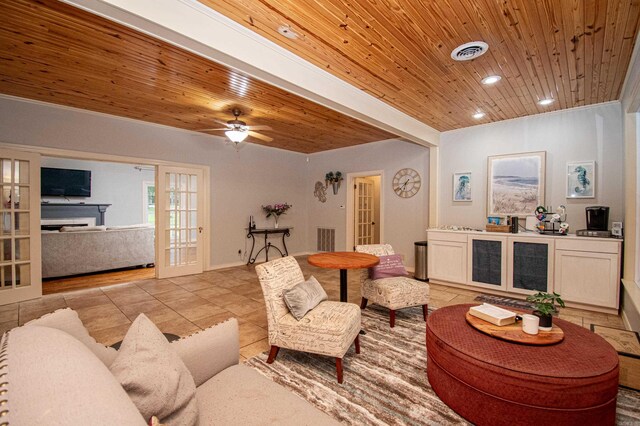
column 20, row 259
column 364, row 211
column 179, row 221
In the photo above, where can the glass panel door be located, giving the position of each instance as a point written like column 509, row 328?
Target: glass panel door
column 365, row 213
column 20, row 266
column 179, row 216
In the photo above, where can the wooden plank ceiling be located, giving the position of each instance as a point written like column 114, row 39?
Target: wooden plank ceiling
column 574, row 51
column 56, row 53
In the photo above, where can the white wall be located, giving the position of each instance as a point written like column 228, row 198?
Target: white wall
column 579, row 134
column 240, row 181
column 405, row 220
column 111, row 183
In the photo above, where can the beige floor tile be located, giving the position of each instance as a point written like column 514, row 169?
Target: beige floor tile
column 100, row 317
column 258, row 317
column 130, row 296
column 255, row 348
column 27, row 314
column 212, row 320
column 51, row 302
column 163, row 314
column 230, row 283
column 76, row 303
column 111, row 335
column 190, row 301
column 132, row 310
column 157, row 286
column 201, row 311
column 7, row 325
column 10, row 314
column 82, row 293
column 173, row 295
column 185, row 279
column 212, row 292
column 250, row 333
column 242, row 309
column 196, row 285
column 180, row 327
column 9, row 307
column 231, row 298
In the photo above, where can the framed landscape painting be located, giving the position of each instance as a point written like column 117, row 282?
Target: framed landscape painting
column 581, row 179
column 462, row 186
column 515, row 183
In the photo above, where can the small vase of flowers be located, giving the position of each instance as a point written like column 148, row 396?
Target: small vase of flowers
column 334, row 179
column 276, row 210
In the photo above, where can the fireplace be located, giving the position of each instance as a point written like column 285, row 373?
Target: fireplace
column 56, row 224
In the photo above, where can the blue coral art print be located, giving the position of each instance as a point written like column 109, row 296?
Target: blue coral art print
column 462, row 186
column 581, row 179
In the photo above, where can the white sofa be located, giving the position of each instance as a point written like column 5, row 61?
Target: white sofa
column 81, row 252
column 56, row 377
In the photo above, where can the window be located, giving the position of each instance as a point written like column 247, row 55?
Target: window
column 149, row 202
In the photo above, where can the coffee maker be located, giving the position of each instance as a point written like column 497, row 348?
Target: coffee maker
column 597, row 222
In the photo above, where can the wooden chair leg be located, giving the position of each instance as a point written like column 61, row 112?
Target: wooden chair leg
column 363, row 303
column 339, row 369
column 392, row 318
column 425, row 311
column 357, row 342
column 273, row 353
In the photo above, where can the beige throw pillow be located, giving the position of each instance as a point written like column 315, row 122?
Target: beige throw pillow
column 303, row 297
column 154, row 376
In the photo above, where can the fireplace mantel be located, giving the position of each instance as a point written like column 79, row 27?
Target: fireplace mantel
column 68, row 210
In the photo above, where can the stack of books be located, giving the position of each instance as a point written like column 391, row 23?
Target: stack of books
column 493, row 314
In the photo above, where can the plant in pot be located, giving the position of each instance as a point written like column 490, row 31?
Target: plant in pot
column 545, row 307
column 333, row 179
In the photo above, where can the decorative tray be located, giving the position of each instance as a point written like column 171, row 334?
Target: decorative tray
column 514, row 333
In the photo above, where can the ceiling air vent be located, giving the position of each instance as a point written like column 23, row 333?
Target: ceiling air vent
column 469, row 51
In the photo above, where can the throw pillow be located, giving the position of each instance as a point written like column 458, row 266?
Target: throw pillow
column 154, row 376
column 389, row 266
column 303, row 297
column 68, row 321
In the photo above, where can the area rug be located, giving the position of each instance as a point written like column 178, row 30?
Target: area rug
column 504, row 301
column 387, row 383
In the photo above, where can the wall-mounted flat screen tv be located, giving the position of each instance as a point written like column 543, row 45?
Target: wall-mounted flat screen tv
column 65, row 182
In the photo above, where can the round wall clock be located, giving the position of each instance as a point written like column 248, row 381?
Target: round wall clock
column 406, row 183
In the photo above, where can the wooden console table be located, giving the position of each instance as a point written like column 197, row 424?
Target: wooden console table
column 251, row 233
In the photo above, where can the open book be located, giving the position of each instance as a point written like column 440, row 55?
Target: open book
column 493, row 314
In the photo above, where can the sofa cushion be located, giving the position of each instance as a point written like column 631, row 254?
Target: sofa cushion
column 240, row 395
column 53, row 379
column 68, row 321
column 390, row 266
column 303, row 297
column 138, row 226
column 154, row 376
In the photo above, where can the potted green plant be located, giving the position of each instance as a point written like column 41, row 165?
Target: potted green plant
column 545, row 307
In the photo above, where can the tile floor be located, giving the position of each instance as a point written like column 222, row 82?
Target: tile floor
column 188, row 304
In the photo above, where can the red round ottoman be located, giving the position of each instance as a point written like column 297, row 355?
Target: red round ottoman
column 492, row 382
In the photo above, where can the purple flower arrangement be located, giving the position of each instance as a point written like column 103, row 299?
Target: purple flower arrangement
column 276, row 209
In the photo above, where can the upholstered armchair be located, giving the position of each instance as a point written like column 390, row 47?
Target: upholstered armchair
column 328, row 329
column 393, row 293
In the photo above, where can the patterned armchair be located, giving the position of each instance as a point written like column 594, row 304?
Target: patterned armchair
column 393, row 293
column 328, row 329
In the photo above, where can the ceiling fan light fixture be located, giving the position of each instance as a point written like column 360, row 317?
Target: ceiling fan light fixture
column 478, row 115
column 545, row 102
column 236, row 136
column 492, row 79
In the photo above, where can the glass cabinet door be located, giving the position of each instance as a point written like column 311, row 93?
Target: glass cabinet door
column 487, row 261
column 531, row 266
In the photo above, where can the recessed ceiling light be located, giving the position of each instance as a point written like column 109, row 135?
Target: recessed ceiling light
column 286, row 31
column 545, row 102
column 492, row 79
column 478, row 115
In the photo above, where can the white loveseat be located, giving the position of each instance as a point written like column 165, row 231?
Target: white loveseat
column 82, row 252
column 51, row 377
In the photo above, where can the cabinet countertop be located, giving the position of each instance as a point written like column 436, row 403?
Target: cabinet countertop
column 526, row 234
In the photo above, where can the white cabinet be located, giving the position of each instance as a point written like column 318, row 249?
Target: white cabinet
column 584, row 271
column 530, row 264
column 588, row 272
column 447, row 257
column 487, row 261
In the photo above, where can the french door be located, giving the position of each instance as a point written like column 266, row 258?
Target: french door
column 364, row 211
column 20, row 258
column 179, row 221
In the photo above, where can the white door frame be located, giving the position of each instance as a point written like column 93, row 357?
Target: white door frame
column 351, row 178
column 93, row 156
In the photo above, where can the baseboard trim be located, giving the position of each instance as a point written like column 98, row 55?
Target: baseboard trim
column 241, row 263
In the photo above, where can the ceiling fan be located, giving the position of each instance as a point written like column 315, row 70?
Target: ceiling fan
column 237, row 130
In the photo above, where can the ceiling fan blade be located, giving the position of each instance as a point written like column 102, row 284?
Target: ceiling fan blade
column 212, row 130
column 260, row 136
column 260, row 127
